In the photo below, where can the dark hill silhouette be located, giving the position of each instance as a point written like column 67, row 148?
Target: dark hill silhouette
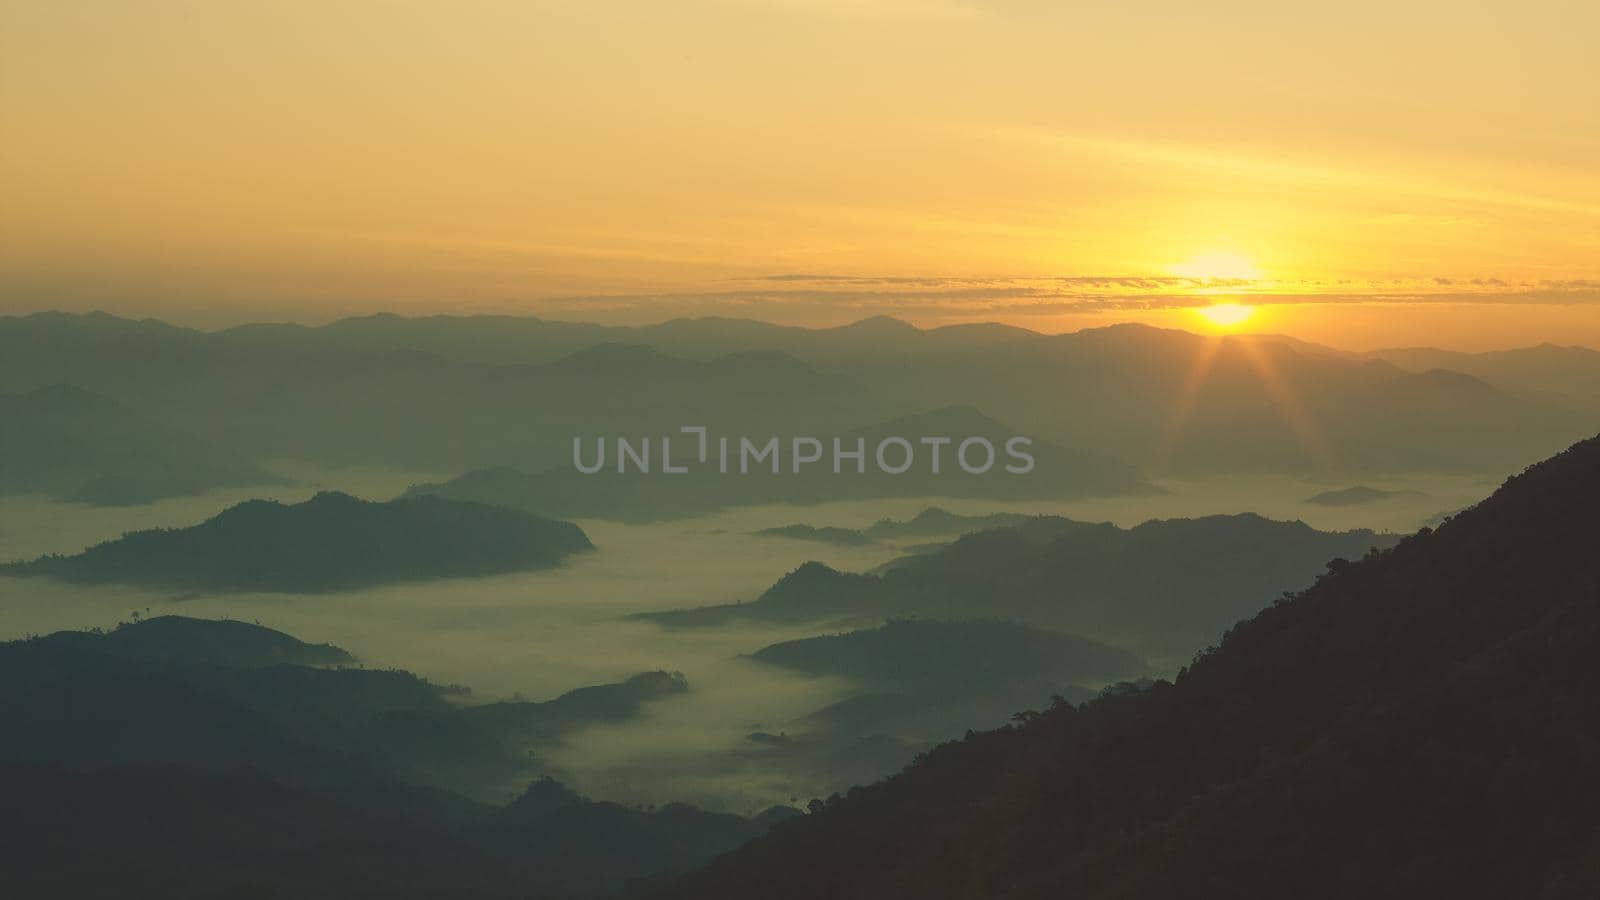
column 921, row 681
column 177, row 695
column 928, row 655
column 582, row 847
column 216, row 642
column 1359, row 494
column 331, row 542
column 537, row 723
column 811, row 593
column 159, row 832
column 181, row 757
column 81, row 447
column 1419, row 723
column 1163, row 587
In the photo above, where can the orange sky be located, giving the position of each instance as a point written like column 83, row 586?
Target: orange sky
column 1375, row 173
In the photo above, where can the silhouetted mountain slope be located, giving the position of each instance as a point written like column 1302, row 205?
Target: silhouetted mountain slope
column 812, row 593
column 217, row 642
column 83, row 700
column 1057, row 472
column 82, row 447
column 138, row 832
column 149, row 831
column 1160, row 586
column 1421, row 723
column 921, row 681
column 357, row 759
column 580, row 847
column 72, row 706
column 331, row 542
column 542, row 722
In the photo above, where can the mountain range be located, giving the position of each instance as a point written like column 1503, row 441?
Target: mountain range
column 1418, row 723
column 1164, row 587
column 926, row 655
column 257, row 764
column 479, row 392
column 220, row 695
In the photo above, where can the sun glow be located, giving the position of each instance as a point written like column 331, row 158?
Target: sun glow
column 1219, row 267
column 1227, row 315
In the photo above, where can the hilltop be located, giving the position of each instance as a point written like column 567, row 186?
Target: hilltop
column 330, row 542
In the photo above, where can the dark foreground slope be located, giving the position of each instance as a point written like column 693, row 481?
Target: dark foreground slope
column 1422, row 723
column 331, row 542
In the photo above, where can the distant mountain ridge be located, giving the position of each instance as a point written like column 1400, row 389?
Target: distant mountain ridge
column 418, row 391
column 1569, row 373
column 82, row 447
column 931, row 522
column 826, row 534
column 934, row 522
column 1360, row 494
column 1057, row 472
column 299, row 393
column 331, row 542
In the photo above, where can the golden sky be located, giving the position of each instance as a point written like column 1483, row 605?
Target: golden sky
column 1372, row 173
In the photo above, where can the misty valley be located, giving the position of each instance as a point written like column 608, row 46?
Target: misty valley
column 799, row 450
column 335, row 612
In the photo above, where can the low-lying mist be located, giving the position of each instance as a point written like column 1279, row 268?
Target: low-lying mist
column 537, row 634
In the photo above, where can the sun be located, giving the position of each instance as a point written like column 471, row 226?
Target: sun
column 1227, row 315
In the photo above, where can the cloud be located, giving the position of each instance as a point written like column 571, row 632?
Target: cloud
column 822, row 298
column 1311, row 172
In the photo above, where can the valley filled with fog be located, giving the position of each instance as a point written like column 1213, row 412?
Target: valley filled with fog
column 352, row 576
column 538, row 634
